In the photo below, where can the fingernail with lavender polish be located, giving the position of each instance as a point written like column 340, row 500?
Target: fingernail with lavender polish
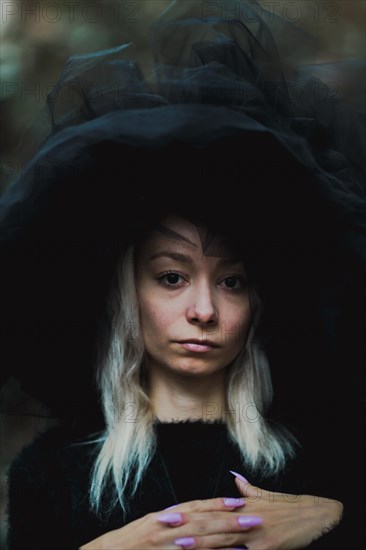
column 170, row 518
column 242, row 478
column 228, row 501
column 185, row 542
column 249, row 521
column 170, row 507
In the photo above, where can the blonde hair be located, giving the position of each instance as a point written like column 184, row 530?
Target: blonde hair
column 128, row 443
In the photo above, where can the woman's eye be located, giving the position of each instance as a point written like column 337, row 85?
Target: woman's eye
column 171, row 279
column 234, row 283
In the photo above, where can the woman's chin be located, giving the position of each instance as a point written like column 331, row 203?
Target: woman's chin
column 196, row 369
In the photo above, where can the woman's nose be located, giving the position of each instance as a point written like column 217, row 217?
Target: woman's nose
column 202, row 309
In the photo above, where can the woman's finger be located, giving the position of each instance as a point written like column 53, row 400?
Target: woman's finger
column 212, row 504
column 202, row 530
column 228, row 540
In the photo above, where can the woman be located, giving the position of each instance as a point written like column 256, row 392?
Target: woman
column 211, row 112
column 189, row 355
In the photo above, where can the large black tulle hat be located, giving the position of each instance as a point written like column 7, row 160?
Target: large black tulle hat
column 227, row 121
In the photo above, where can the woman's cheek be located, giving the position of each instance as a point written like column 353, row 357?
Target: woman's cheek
column 155, row 319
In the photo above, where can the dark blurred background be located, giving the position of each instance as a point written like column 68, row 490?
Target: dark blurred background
column 37, row 37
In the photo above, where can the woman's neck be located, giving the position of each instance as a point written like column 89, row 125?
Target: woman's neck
column 176, row 397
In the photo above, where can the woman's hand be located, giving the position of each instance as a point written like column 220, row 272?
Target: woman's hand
column 289, row 521
column 272, row 521
column 193, row 524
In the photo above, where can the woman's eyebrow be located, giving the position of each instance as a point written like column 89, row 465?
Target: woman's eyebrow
column 177, row 256
column 184, row 258
column 230, row 261
column 171, row 234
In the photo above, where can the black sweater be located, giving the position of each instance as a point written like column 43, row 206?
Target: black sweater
column 48, row 484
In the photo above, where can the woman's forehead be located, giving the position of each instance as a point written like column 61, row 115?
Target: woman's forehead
column 175, row 229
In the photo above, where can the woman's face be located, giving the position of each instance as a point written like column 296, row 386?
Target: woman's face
column 194, row 303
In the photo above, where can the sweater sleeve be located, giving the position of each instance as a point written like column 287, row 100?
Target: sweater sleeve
column 38, row 509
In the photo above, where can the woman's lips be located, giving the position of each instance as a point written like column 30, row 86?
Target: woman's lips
column 198, row 346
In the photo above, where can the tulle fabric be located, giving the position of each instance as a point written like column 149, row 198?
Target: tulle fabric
column 231, row 54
